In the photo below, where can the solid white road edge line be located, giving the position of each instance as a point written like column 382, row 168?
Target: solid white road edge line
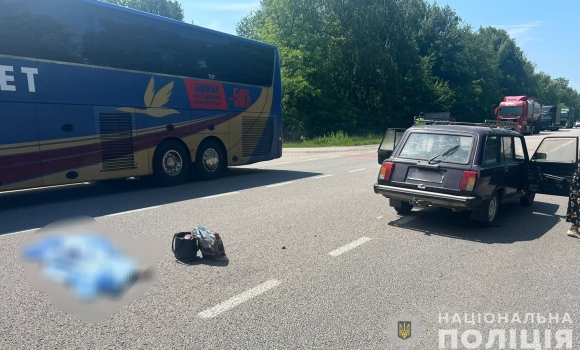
column 14, row 233
column 281, row 183
column 130, row 211
column 104, row 216
column 220, row 195
column 45, row 188
column 323, row 176
column 289, row 162
column 239, row 299
column 352, row 171
column 349, row 246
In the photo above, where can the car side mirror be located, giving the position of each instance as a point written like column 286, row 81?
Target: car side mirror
column 540, row 156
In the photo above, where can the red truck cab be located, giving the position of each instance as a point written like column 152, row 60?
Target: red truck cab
column 525, row 112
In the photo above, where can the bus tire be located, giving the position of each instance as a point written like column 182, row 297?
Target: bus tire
column 210, row 160
column 171, row 163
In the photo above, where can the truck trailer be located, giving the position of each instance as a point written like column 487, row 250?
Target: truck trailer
column 567, row 119
column 551, row 118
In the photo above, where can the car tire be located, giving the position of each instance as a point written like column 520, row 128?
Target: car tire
column 528, row 199
column 210, row 160
column 491, row 211
column 404, row 209
column 171, row 163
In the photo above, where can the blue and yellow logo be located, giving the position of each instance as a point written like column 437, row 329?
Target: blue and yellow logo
column 155, row 102
column 404, row 329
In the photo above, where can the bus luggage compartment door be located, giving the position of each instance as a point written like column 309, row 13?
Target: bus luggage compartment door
column 67, row 143
column 20, row 163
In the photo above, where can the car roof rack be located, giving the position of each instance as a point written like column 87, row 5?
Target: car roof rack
column 431, row 121
column 490, row 123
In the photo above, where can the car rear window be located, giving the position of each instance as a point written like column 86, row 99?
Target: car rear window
column 424, row 146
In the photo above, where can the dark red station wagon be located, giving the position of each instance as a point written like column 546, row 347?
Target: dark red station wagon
column 476, row 167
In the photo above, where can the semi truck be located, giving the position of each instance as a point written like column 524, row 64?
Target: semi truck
column 567, row 119
column 551, row 118
column 525, row 112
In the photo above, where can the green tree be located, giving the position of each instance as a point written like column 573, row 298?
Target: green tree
column 165, row 8
column 363, row 65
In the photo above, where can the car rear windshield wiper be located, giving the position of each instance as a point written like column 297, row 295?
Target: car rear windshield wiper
column 446, row 153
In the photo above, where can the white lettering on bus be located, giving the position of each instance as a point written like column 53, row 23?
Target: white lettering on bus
column 30, row 75
column 5, row 78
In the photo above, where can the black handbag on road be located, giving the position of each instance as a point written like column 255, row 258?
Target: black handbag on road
column 185, row 250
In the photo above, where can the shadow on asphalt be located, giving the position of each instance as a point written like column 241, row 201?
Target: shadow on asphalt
column 514, row 223
column 202, row 261
column 21, row 211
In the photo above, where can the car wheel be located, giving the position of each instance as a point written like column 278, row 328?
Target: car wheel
column 404, row 209
column 528, row 199
column 491, row 211
column 210, row 160
column 171, row 163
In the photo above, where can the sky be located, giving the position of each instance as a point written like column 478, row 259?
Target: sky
column 548, row 32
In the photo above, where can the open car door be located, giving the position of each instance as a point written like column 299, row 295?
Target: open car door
column 553, row 165
column 390, row 140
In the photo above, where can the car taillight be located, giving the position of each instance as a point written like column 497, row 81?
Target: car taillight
column 386, row 171
column 468, row 181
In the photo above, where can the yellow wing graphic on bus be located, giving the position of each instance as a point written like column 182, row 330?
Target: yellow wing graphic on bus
column 149, row 93
column 155, row 101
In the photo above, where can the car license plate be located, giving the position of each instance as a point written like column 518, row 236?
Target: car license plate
column 425, row 175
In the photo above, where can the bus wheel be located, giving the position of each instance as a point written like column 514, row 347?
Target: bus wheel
column 171, row 163
column 209, row 161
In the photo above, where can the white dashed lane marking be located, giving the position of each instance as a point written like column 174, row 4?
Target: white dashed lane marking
column 349, row 246
column 239, row 299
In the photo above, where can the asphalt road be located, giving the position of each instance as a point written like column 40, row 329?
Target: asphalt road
column 351, row 265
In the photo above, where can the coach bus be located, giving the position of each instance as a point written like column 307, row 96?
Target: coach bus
column 91, row 91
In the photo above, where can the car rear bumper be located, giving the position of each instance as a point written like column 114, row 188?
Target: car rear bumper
column 418, row 197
